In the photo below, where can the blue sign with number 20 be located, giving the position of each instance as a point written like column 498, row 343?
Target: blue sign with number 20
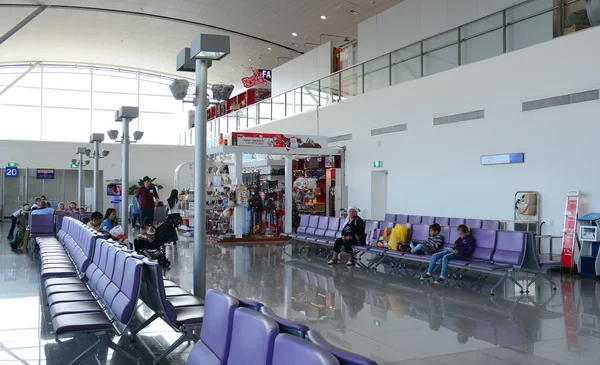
column 11, row 172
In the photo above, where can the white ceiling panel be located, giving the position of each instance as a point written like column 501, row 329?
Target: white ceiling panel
column 147, row 43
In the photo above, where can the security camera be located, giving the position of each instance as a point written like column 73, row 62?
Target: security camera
column 222, row 92
column 179, row 89
column 73, row 161
column 113, row 134
column 88, row 152
column 87, row 162
column 137, row 135
column 105, row 153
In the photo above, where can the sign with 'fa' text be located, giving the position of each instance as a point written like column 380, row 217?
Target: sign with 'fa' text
column 260, row 77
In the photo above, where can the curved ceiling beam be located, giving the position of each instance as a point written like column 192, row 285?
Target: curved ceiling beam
column 156, row 16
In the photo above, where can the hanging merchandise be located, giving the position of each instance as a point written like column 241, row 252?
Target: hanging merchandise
column 242, row 195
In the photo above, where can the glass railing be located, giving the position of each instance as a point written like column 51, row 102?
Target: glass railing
column 517, row 27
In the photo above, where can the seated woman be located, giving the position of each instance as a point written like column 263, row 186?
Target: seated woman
column 111, row 220
column 146, row 236
column 463, row 249
column 353, row 233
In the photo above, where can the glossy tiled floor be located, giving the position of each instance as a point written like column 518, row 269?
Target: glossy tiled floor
column 394, row 319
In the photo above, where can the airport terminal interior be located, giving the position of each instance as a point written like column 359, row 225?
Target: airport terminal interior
column 270, row 182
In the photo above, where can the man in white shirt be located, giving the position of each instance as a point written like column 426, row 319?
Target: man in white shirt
column 36, row 203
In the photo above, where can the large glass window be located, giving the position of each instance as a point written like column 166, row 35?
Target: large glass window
column 59, row 102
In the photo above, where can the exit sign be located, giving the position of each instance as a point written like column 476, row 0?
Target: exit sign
column 74, row 166
column 377, row 164
column 12, row 164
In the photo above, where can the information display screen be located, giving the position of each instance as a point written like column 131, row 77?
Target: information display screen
column 45, row 173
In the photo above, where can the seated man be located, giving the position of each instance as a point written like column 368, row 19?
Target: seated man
column 96, row 221
column 463, row 248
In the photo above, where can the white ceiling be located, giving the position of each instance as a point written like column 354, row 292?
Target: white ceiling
column 147, row 43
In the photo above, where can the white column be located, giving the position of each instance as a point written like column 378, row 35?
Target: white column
column 288, row 193
column 237, row 179
column 125, row 176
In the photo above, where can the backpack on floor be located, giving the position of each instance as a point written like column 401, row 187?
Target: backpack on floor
column 18, row 239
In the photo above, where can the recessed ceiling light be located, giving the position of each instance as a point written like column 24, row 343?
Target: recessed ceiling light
column 250, row 59
column 270, row 49
column 323, row 17
column 233, row 69
column 294, row 34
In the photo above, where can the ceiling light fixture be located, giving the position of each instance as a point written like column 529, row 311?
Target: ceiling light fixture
column 250, row 59
column 323, row 17
column 294, row 34
column 270, row 49
column 233, row 69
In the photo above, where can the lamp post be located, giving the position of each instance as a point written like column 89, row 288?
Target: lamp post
column 125, row 115
column 80, row 163
column 96, row 139
column 203, row 50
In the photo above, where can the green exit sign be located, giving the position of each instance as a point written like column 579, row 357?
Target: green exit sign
column 12, row 164
column 377, row 164
column 74, row 166
column 377, row 323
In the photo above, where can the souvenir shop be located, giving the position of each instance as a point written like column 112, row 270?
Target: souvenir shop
column 247, row 194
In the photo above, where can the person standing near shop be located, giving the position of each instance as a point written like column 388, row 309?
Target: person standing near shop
column 147, row 199
column 135, row 213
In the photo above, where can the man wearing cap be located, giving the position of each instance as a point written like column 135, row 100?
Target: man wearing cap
column 147, row 199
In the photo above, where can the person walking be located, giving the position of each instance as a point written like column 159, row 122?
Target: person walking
column 135, row 213
column 147, row 198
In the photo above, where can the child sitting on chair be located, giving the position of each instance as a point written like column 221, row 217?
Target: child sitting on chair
column 433, row 243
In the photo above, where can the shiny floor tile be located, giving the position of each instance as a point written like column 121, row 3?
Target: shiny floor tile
column 396, row 319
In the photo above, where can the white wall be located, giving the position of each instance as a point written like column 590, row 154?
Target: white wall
column 437, row 171
column 154, row 161
column 309, row 67
column 413, row 20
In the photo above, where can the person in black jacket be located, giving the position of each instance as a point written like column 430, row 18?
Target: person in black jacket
column 353, row 233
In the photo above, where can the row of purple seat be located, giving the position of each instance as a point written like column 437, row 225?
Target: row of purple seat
column 442, row 221
column 302, row 331
column 70, row 254
column 101, row 300
column 43, row 225
column 176, row 306
column 496, row 252
column 236, row 335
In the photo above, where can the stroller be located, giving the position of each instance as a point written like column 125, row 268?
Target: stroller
column 165, row 233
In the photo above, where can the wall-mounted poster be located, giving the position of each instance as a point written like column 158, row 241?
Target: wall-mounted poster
column 526, row 206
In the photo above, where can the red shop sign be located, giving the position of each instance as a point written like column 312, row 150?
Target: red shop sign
column 256, row 79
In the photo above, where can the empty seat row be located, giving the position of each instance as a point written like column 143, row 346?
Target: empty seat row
column 70, row 253
column 181, row 310
column 101, row 304
column 235, row 333
column 70, row 265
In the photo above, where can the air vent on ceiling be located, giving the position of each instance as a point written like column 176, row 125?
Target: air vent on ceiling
column 343, row 137
column 478, row 114
column 561, row 100
column 386, row 130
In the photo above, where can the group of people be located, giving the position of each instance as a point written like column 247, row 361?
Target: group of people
column 353, row 233
column 20, row 218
